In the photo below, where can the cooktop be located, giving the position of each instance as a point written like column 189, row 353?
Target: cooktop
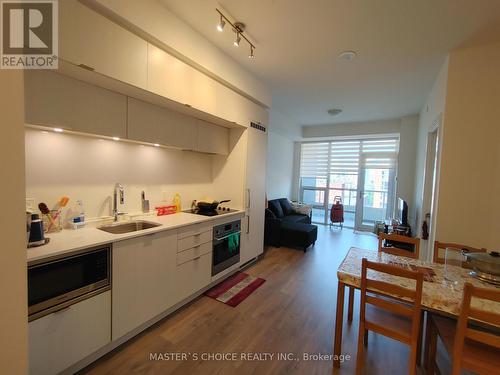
column 218, row 211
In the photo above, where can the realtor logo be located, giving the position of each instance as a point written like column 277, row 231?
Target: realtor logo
column 29, row 34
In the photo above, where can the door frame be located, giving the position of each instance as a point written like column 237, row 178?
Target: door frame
column 430, row 191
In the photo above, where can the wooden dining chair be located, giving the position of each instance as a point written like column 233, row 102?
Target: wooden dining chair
column 471, row 348
column 438, row 246
column 383, row 313
column 415, row 242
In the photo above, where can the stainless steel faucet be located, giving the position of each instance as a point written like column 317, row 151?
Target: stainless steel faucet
column 119, row 188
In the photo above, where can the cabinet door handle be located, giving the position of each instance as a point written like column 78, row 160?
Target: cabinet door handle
column 248, row 224
column 86, row 67
column 248, row 198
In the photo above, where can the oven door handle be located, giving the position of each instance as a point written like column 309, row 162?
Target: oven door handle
column 223, row 238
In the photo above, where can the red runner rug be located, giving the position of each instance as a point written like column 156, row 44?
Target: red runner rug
column 235, row 289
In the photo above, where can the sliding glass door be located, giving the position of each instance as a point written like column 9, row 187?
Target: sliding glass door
column 359, row 172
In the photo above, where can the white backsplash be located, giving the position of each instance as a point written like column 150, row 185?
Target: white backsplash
column 87, row 168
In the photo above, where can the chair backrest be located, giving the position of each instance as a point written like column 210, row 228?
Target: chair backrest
column 437, row 258
column 414, row 241
column 463, row 331
column 388, row 296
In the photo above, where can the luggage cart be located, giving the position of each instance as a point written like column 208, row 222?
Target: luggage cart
column 337, row 212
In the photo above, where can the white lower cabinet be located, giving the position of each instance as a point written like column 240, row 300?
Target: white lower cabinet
column 61, row 339
column 143, row 279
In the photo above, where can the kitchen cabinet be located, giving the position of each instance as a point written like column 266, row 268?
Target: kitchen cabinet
column 88, row 38
column 252, row 238
column 55, row 100
column 193, row 275
column 155, row 124
column 194, row 259
column 143, row 279
column 60, row 339
column 212, row 138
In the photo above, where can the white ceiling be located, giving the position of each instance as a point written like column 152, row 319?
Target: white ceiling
column 400, row 44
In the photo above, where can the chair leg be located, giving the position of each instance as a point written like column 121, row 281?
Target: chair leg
column 430, row 346
column 351, row 304
column 366, row 338
column 360, row 353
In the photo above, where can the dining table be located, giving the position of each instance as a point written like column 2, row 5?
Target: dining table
column 441, row 292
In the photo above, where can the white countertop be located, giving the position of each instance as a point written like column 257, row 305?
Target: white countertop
column 68, row 241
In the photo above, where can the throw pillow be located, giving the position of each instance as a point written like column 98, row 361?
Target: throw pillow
column 286, row 206
column 275, row 207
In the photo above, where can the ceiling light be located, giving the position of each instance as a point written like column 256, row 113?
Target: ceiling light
column 237, row 41
column 116, row 138
column 347, row 55
column 238, row 29
column 334, row 111
column 156, row 145
column 222, row 23
column 58, row 130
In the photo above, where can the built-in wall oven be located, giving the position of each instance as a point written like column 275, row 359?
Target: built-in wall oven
column 226, row 246
column 58, row 283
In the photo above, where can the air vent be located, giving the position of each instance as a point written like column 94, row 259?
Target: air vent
column 258, row 126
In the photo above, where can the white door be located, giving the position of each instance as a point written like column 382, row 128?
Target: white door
column 252, row 238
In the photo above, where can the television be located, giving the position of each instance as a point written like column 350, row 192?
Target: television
column 402, row 212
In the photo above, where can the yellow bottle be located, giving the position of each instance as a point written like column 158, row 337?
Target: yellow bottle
column 177, row 202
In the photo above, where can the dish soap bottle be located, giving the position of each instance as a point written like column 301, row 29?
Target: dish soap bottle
column 177, row 202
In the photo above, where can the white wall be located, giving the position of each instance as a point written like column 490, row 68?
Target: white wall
column 469, row 190
column 406, row 127
column 282, row 133
column 13, row 279
column 352, row 128
column 279, row 166
column 87, row 168
column 185, row 43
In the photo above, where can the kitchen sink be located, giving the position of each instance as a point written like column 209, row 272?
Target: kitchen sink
column 127, row 227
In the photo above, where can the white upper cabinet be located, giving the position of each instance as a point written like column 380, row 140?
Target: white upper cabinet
column 88, row 38
column 212, row 138
column 155, row 124
column 55, row 100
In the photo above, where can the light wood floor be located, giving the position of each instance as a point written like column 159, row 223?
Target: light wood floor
column 293, row 312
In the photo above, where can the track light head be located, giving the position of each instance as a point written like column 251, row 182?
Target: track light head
column 221, row 24
column 237, row 41
column 251, row 55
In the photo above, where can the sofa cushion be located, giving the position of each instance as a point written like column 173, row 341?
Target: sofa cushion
column 298, row 234
column 296, row 219
column 286, row 206
column 270, row 214
column 275, row 206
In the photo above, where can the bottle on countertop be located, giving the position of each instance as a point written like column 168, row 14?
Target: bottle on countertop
column 80, row 212
column 177, row 202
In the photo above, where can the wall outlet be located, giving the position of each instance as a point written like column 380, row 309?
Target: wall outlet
column 31, row 204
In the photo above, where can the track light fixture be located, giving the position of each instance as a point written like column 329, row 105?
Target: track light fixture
column 238, row 29
column 237, row 41
column 221, row 24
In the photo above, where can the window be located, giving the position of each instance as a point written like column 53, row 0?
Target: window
column 359, row 172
